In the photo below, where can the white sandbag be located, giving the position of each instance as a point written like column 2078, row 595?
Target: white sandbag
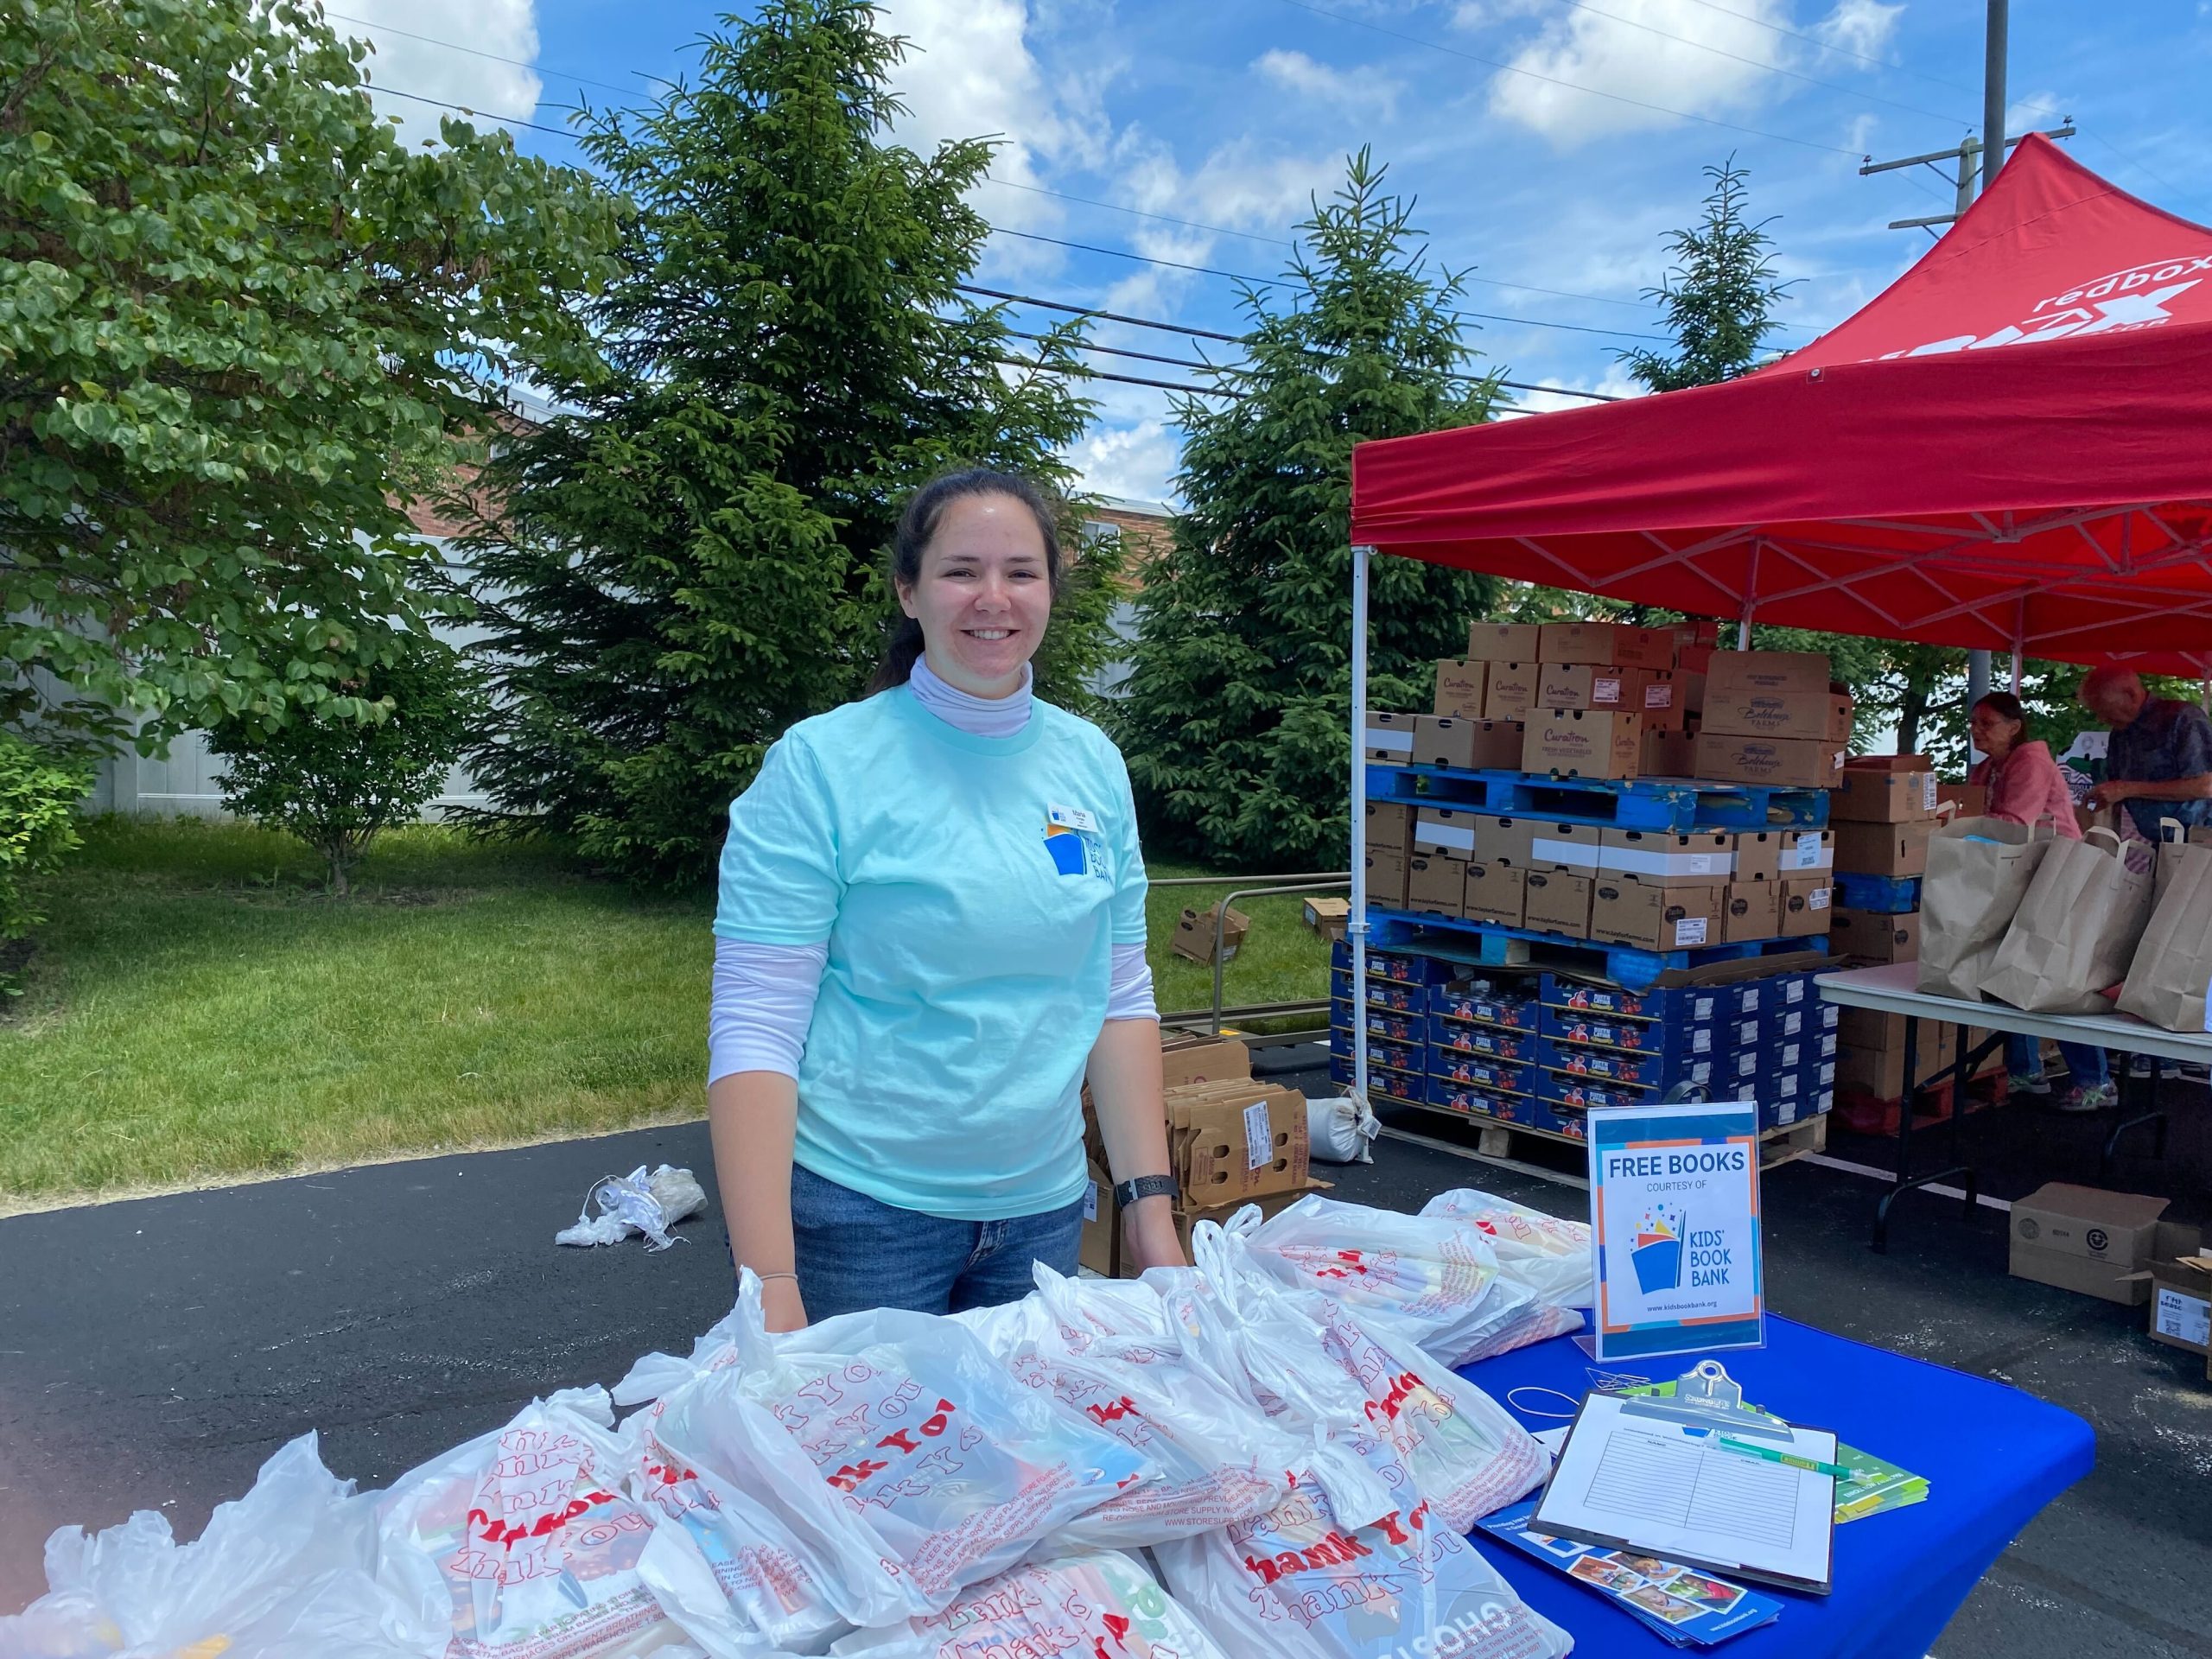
column 1340, row 1129
column 283, row 1573
column 1080, row 1605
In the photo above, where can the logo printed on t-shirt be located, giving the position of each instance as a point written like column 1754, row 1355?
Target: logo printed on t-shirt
column 1071, row 837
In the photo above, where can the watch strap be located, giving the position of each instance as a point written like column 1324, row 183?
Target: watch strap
column 1145, row 1186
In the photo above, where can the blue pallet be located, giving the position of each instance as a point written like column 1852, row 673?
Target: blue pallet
column 1675, row 803
column 1892, row 895
column 1488, row 945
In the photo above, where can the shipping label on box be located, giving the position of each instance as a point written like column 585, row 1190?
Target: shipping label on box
column 1583, row 743
column 1605, row 643
column 1807, row 903
column 1883, row 848
column 1701, row 856
column 1733, row 674
column 1459, row 688
column 1821, row 716
column 1496, row 893
column 1558, row 902
column 1390, row 827
column 1510, row 841
column 1864, row 795
column 1388, row 738
column 1440, row 740
column 1437, row 887
column 1655, row 916
column 1568, row 847
column 1804, row 850
column 2084, row 1239
column 1386, row 879
column 1508, row 690
column 1503, row 642
column 1753, row 911
column 1787, row 763
column 1659, row 698
column 1874, row 936
column 1444, row 832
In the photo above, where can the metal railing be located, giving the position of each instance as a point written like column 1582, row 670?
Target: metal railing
column 1308, row 881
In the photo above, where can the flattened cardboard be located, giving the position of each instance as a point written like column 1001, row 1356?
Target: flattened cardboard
column 1459, row 688
column 1583, row 743
column 1607, row 642
column 1441, row 740
column 1436, row 886
column 1204, row 1059
column 2085, row 1239
column 1821, row 716
column 1871, row 795
column 1388, row 738
column 1386, row 879
column 1655, row 916
column 1786, row 763
column 1752, row 911
column 1510, row 841
column 1559, row 902
column 1734, row 673
column 1874, row 936
column 1508, row 689
column 1503, row 642
column 1444, row 832
column 1807, row 904
column 1707, row 856
column 1883, row 848
column 1209, row 1146
column 1496, row 893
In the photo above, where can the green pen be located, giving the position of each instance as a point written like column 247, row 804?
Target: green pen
column 1808, row 1465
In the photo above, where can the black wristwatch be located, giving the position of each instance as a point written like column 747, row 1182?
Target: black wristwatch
column 1145, row 1186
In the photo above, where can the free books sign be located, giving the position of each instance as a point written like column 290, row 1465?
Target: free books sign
column 1675, row 1227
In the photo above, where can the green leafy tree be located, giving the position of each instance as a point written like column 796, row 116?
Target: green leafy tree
column 1236, row 723
column 1719, row 298
column 690, row 555
column 240, row 326
column 39, row 794
column 337, row 783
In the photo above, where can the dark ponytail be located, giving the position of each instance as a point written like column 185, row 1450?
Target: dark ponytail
column 917, row 525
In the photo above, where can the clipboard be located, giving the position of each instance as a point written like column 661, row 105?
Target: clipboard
column 1650, row 1476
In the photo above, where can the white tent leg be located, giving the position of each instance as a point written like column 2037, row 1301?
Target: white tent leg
column 1356, row 928
column 2015, row 670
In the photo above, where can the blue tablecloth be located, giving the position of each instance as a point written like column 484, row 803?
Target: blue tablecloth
column 1993, row 1456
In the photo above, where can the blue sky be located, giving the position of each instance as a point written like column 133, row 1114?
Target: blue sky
column 1550, row 143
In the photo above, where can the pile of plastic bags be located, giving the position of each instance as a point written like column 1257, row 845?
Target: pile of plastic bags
column 1278, row 1426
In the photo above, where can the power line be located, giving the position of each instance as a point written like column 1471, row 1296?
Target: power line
column 1829, row 46
column 463, row 109
column 1553, row 81
column 1081, row 373
column 476, row 52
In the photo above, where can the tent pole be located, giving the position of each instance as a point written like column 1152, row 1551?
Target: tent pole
column 1751, row 599
column 2019, row 637
column 1356, row 926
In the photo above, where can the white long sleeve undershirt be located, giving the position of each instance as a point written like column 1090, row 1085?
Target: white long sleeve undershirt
column 763, row 999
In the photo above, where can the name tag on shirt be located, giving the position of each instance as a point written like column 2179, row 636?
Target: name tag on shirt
column 1071, row 817
column 1072, row 838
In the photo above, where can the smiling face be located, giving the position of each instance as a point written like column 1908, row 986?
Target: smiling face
column 983, row 595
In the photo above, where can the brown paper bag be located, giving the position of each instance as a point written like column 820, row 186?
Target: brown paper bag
column 2076, row 930
column 2172, row 970
column 1978, row 872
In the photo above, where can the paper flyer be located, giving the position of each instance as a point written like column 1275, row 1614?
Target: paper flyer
column 1675, row 1234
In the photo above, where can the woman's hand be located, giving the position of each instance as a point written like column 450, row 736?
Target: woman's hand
column 781, row 1304
column 1148, row 1231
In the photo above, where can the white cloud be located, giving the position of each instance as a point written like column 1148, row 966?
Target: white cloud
column 494, row 91
column 1361, row 90
column 1136, row 462
column 1674, row 61
column 2032, row 111
column 1863, row 26
column 1617, row 383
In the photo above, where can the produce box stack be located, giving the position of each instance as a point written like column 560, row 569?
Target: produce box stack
column 1232, row 1140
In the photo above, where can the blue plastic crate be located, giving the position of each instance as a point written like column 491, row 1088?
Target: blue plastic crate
column 1892, row 895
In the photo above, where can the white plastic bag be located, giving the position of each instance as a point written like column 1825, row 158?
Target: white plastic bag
column 283, row 1573
column 1340, row 1129
column 1299, row 1583
column 539, row 1550
column 922, row 1459
column 1548, row 1255
column 1080, row 1605
column 1220, row 1459
column 637, row 1203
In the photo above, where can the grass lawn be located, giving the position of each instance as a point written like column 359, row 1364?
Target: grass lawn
column 198, row 1010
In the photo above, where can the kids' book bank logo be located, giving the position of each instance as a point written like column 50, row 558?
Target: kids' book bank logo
column 1657, row 1252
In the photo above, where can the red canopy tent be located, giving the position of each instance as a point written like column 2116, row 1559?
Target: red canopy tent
column 2011, row 448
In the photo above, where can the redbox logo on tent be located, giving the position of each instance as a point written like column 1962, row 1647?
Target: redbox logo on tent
column 2134, row 298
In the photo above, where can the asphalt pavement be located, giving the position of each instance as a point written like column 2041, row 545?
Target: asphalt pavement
column 153, row 1352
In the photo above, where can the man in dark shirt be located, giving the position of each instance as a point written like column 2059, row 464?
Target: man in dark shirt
column 2158, row 763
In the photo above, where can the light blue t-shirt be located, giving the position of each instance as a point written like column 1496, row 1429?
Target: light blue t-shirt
column 971, row 890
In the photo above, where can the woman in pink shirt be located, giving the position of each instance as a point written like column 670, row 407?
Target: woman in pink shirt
column 2025, row 785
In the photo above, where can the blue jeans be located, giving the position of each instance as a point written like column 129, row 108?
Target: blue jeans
column 855, row 1252
column 2091, row 1067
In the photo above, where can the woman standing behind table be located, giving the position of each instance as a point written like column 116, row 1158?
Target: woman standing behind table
column 931, row 925
column 2024, row 784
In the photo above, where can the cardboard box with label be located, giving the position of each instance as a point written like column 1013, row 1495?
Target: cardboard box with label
column 1388, row 738
column 1194, row 934
column 1330, row 918
column 1733, row 674
column 1444, row 832
column 1821, row 716
column 1503, row 642
column 1874, row 936
column 1459, row 688
column 1236, row 1140
column 1390, row 827
column 2180, row 1277
column 1785, row 763
column 1442, row 741
column 1510, row 841
column 1558, row 902
column 1884, row 849
column 1707, row 856
column 1965, row 800
column 1605, row 642
column 1508, row 690
column 1100, row 1249
column 1568, row 847
column 1583, row 743
column 1808, row 903
column 1647, row 691
column 1436, row 885
column 1753, row 912
column 2085, row 1239
column 1867, row 793
column 1656, row 915
column 1386, row 879
column 1496, row 893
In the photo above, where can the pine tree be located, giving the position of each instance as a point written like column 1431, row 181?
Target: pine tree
column 1236, row 724
column 1719, row 298
column 689, row 557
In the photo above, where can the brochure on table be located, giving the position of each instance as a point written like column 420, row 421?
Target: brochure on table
column 1675, row 1229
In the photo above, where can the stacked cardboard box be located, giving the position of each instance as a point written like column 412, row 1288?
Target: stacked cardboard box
column 1772, row 718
